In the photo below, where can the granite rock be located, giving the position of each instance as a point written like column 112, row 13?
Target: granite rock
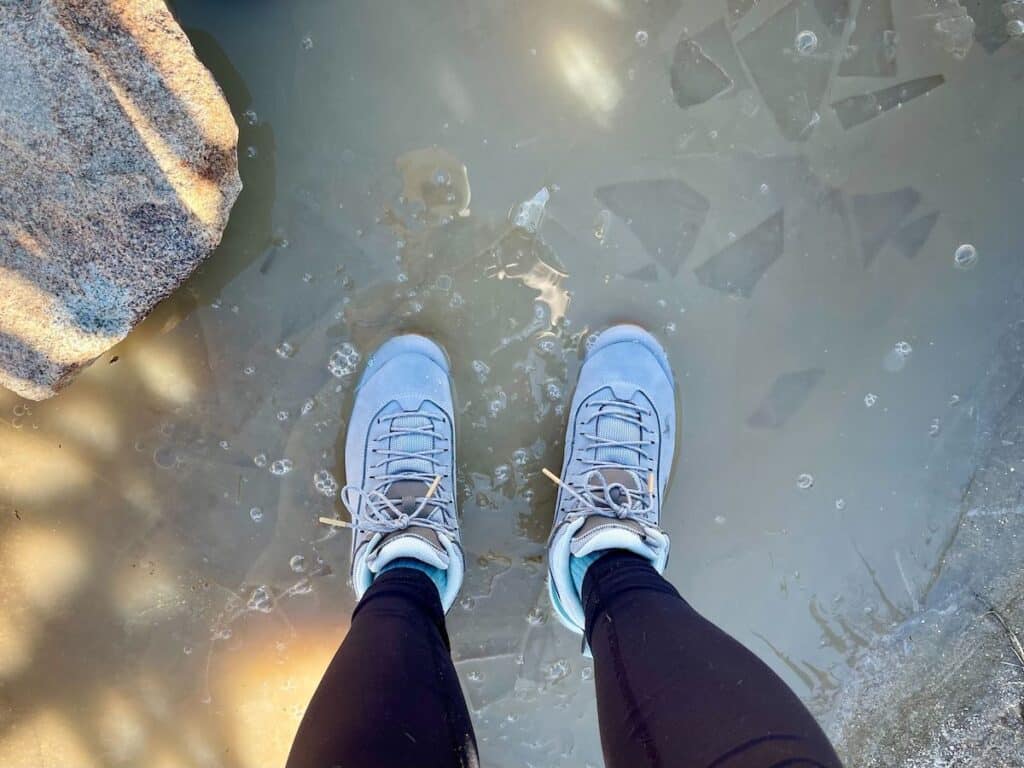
column 118, row 169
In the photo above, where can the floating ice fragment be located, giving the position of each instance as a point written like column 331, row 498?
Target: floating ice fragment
column 528, row 215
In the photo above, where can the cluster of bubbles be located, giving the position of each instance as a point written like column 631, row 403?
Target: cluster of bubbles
column 498, row 403
column 325, row 483
column 344, row 361
column 897, row 357
column 281, row 467
column 556, row 670
column 481, row 369
column 502, row 474
column 261, row 600
column 553, row 390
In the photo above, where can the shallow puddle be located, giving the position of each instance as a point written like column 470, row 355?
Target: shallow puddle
column 787, row 214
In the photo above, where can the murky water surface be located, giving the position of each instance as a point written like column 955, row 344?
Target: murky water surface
column 815, row 205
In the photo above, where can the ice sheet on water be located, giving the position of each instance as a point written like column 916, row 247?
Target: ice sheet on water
column 878, row 216
column 694, row 77
column 872, row 46
column 791, row 85
column 737, row 268
column 912, row 237
column 665, row 215
column 859, row 109
column 787, row 394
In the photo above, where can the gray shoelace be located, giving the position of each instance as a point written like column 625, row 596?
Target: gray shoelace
column 373, row 510
column 613, row 487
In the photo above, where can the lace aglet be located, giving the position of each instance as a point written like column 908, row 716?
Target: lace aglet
column 335, row 522
column 552, row 476
column 433, row 487
column 650, row 484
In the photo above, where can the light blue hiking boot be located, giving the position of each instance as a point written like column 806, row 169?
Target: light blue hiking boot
column 400, row 466
column 618, row 455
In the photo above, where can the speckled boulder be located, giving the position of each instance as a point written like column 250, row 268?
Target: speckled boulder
column 118, row 170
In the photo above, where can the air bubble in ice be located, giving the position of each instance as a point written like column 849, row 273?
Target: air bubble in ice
column 260, row 600
column 556, row 670
column 870, row 399
column 307, row 406
column 806, row 42
column 1015, row 27
column 536, row 617
column 344, row 361
column 965, row 257
column 249, row 370
column 250, row 116
column 804, row 481
column 934, row 428
column 256, row 514
column 903, row 349
column 297, row 563
column 307, row 42
column 764, row 189
column 520, row 457
column 251, row 152
column 641, row 37
column 474, row 676
column 282, row 415
column 481, row 369
column 553, row 389
column 281, row 467
column 325, row 483
column 225, row 445
column 285, row 350
column 670, row 328
column 840, row 504
column 260, row 460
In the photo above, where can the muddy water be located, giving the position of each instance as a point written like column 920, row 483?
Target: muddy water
column 776, row 191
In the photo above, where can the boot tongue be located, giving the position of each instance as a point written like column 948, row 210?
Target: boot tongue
column 407, row 493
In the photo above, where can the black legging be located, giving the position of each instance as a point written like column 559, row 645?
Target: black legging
column 673, row 690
